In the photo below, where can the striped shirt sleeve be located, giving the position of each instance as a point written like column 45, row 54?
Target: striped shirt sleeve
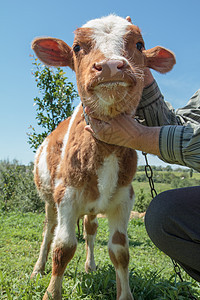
column 153, row 110
column 179, row 139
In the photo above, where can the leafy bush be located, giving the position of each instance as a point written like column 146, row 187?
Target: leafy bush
column 17, row 188
column 142, row 201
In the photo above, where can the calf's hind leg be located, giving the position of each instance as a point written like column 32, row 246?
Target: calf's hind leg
column 50, row 224
column 90, row 228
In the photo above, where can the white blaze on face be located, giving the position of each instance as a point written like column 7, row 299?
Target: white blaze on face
column 108, row 34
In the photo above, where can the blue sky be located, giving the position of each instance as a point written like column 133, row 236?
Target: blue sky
column 172, row 24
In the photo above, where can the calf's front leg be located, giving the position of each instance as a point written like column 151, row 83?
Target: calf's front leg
column 118, row 243
column 64, row 247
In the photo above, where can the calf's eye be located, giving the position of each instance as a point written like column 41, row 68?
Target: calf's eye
column 77, row 48
column 140, row 46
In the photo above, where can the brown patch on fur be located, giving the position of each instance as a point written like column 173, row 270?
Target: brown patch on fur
column 123, row 258
column 91, row 191
column 127, row 166
column 120, row 259
column 59, row 193
column 131, row 38
column 90, row 228
column 54, row 148
column 119, row 238
column 86, row 74
column 61, row 257
column 83, row 38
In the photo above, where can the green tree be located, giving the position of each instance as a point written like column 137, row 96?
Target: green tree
column 55, row 104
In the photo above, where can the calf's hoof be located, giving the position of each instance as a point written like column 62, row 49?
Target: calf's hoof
column 90, row 268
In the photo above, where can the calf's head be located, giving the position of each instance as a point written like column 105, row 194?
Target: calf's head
column 109, row 57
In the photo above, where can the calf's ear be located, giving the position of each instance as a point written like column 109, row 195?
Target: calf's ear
column 53, row 52
column 159, row 59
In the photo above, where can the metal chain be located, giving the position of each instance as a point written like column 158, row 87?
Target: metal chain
column 177, row 270
column 149, row 174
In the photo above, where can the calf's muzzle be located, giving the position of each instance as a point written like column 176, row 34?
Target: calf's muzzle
column 112, row 66
column 112, row 70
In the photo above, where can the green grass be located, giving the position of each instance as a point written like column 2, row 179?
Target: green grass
column 151, row 272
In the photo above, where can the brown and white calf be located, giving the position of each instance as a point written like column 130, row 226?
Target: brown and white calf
column 78, row 175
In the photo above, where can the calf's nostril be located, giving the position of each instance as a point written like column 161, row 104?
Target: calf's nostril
column 120, row 64
column 98, row 66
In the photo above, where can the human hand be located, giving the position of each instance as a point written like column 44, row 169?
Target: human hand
column 125, row 131
column 117, row 131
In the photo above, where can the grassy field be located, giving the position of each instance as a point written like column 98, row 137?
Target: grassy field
column 151, row 272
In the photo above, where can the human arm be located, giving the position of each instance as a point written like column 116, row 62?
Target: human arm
column 180, row 142
column 181, row 145
column 153, row 110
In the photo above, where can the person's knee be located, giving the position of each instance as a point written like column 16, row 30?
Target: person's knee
column 157, row 217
